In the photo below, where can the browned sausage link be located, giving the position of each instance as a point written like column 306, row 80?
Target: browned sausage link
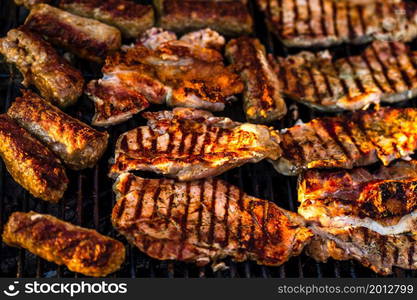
column 30, row 163
column 131, row 18
column 87, row 38
column 81, row 250
column 41, row 66
column 76, row 143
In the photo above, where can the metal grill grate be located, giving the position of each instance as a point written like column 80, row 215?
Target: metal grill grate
column 89, row 199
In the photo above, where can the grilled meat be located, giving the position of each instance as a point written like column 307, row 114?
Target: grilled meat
column 41, row 66
column 155, row 37
column 204, row 221
column 30, row 163
column 378, row 252
column 383, row 201
column 30, row 3
column 362, row 215
column 263, row 102
column 176, row 73
column 384, row 72
column 307, row 23
column 350, row 140
column 129, row 17
column 227, row 17
column 76, row 143
column 205, row 38
column 87, row 38
column 81, row 250
column 191, row 144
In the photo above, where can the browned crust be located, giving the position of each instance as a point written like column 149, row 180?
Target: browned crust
column 129, row 17
column 262, row 97
column 228, row 17
column 87, row 38
column 76, row 143
column 254, row 229
column 30, row 3
column 30, row 163
column 81, row 250
column 41, row 66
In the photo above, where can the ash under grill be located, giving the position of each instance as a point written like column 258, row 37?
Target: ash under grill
column 89, row 199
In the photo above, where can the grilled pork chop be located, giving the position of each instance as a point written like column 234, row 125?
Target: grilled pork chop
column 307, row 23
column 204, row 221
column 357, row 139
column 191, row 144
column 176, row 73
column 367, row 216
column 384, row 72
column 263, row 102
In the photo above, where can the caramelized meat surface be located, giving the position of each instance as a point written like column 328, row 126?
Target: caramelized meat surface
column 263, row 102
column 87, row 38
column 191, row 144
column 30, row 163
column 383, row 72
column 41, row 66
column 129, row 17
column 82, row 250
column 77, row 144
column 204, row 221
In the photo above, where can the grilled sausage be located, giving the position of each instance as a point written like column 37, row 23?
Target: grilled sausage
column 89, row 39
column 30, row 163
column 41, row 66
column 81, row 250
column 263, row 101
column 131, row 18
column 227, row 17
column 76, row 143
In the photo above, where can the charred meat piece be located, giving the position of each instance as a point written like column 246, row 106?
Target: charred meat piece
column 87, row 38
column 41, row 66
column 129, row 17
column 205, row 38
column 384, row 72
column 370, row 216
column 30, row 3
column 204, row 221
column 30, row 163
column 191, row 144
column 82, row 250
column 155, row 37
column 230, row 18
column 383, row 201
column 373, row 250
column 310, row 23
column 76, row 143
column 176, row 73
column 348, row 141
column 263, row 102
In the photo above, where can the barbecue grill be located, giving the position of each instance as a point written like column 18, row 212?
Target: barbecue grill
column 89, row 199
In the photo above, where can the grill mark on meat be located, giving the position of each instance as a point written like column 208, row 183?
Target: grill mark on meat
column 326, row 80
column 295, row 19
column 281, row 13
column 294, row 145
column 170, row 143
column 357, row 81
column 361, row 21
column 193, row 142
column 330, row 130
column 155, row 198
column 299, row 86
column 323, row 143
column 184, row 221
column 314, row 83
column 226, row 214
column 410, row 252
column 206, row 141
column 381, row 242
column 153, row 141
column 123, row 144
column 141, row 191
column 126, row 185
column 348, row 131
column 384, row 69
column 139, row 139
column 182, row 142
column 121, row 208
column 200, row 210
column 250, row 243
column 219, row 135
column 335, row 21
column 322, row 19
column 352, row 33
column 309, row 18
column 361, row 128
column 239, row 227
column 396, row 254
column 404, row 74
column 342, row 81
column 170, row 204
column 410, row 58
column 213, row 213
column 372, row 72
column 283, row 76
